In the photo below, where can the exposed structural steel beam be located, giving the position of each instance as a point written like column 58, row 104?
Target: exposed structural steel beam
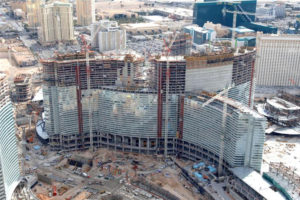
column 216, row 96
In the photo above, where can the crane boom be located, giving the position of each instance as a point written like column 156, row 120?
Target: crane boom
column 224, row 118
column 216, row 96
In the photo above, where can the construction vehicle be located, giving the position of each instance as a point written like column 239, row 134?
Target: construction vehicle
column 54, row 192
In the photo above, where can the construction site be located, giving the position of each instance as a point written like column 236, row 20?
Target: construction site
column 22, row 88
column 169, row 115
column 127, row 112
column 104, row 174
column 125, row 126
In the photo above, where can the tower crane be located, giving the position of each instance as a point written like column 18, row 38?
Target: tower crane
column 168, row 51
column 86, row 49
column 224, row 115
column 235, row 12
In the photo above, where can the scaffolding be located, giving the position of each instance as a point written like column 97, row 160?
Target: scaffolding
column 23, row 88
column 132, row 119
column 177, row 67
column 65, row 91
column 182, row 45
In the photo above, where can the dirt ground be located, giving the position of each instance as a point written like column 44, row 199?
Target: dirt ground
column 11, row 69
column 172, row 182
column 152, row 168
column 109, row 8
column 283, row 149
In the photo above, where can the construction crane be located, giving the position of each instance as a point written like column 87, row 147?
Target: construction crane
column 235, row 12
column 86, row 47
column 224, row 115
column 216, row 96
column 168, row 51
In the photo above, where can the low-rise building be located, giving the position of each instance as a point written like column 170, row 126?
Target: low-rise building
column 144, row 28
column 107, row 36
column 200, row 35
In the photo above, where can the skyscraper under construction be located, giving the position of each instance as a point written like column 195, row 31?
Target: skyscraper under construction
column 132, row 117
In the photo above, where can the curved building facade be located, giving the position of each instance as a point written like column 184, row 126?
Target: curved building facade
column 132, row 118
column 243, row 131
column 9, row 163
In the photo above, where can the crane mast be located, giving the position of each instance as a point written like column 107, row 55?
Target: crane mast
column 224, row 118
column 168, row 49
column 235, row 12
column 88, row 72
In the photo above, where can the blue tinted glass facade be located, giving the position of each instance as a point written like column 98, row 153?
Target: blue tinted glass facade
column 213, row 11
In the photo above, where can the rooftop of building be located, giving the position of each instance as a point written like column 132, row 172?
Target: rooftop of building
column 241, row 107
column 247, row 38
column 21, row 79
column 141, row 25
column 177, row 11
column 57, row 3
column 198, row 28
column 285, row 37
column 204, row 96
column 225, row 1
column 242, row 29
column 256, row 182
column 170, row 59
column 156, row 18
column 282, row 104
column 66, row 58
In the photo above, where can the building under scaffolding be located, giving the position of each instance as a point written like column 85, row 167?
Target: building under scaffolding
column 22, row 88
column 182, row 44
column 65, row 91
